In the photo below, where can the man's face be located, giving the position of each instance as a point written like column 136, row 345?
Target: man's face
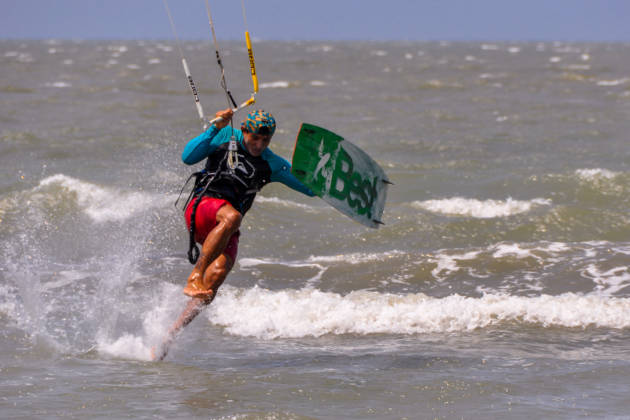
column 256, row 143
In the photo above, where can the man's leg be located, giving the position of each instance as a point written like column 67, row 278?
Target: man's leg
column 214, row 277
column 228, row 223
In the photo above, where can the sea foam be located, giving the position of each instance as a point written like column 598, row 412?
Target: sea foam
column 275, row 85
column 283, row 203
column 459, row 206
column 610, row 281
column 58, row 84
column 309, row 312
column 613, row 82
column 595, row 174
column 103, row 204
column 128, row 346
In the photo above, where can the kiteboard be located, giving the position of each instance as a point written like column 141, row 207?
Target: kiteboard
column 341, row 174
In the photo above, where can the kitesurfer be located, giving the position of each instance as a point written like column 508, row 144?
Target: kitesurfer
column 223, row 195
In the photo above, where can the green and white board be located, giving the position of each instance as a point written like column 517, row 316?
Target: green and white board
column 341, row 174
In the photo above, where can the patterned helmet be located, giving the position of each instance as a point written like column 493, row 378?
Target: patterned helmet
column 259, row 122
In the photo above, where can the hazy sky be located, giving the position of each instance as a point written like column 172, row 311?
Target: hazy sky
column 508, row 20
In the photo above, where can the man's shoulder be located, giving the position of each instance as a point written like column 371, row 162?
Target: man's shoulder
column 268, row 153
column 270, row 156
column 225, row 134
column 277, row 163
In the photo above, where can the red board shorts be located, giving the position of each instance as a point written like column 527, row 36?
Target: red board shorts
column 206, row 220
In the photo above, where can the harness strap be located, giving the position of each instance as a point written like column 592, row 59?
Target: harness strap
column 193, row 249
column 199, row 189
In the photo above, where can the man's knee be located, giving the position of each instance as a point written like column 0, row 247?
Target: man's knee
column 231, row 218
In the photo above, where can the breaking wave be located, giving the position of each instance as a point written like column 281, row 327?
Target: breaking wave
column 101, row 204
column 458, row 206
column 309, row 312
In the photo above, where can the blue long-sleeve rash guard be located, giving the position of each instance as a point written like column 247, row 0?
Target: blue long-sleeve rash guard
column 209, row 141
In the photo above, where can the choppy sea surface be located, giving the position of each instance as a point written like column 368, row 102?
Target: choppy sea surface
column 499, row 286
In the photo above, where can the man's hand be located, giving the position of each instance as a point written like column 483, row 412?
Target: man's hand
column 226, row 116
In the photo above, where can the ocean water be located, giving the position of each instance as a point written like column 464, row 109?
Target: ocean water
column 499, row 286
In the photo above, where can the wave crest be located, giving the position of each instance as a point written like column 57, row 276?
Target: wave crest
column 310, row 312
column 483, row 209
column 101, row 204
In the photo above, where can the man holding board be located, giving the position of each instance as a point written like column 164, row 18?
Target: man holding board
column 238, row 165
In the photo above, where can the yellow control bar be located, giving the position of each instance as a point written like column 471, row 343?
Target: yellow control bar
column 252, row 64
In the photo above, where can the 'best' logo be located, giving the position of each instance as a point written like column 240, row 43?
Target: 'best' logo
column 345, row 183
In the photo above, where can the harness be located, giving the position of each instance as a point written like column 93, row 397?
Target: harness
column 200, row 187
column 239, row 193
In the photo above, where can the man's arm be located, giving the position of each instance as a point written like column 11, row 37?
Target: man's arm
column 201, row 146
column 281, row 172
